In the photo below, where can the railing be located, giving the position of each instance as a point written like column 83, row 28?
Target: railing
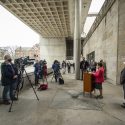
column 105, row 8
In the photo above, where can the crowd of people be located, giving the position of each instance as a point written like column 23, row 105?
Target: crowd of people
column 97, row 69
column 9, row 75
column 68, row 66
column 64, row 67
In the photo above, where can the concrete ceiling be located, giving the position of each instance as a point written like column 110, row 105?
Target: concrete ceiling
column 49, row 18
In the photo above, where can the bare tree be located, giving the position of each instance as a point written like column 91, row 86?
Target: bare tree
column 3, row 51
column 9, row 50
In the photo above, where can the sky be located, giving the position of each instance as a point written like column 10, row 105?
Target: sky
column 94, row 8
column 13, row 32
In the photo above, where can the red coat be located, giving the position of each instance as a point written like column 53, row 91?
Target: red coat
column 45, row 70
column 99, row 75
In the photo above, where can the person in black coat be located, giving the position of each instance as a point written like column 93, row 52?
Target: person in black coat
column 83, row 66
column 69, row 66
column 9, row 76
column 122, row 82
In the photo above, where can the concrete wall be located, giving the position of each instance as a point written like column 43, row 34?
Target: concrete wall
column 51, row 49
column 121, row 37
column 104, row 42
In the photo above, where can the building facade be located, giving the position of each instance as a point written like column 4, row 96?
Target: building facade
column 32, row 52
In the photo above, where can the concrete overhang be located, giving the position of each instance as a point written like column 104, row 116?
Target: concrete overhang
column 49, row 18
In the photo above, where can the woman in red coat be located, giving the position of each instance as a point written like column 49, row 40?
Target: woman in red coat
column 99, row 79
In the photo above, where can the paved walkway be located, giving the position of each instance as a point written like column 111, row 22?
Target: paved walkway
column 60, row 105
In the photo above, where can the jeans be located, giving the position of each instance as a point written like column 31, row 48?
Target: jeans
column 36, row 79
column 9, row 89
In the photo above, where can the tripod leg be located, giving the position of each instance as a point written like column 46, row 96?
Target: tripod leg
column 31, row 85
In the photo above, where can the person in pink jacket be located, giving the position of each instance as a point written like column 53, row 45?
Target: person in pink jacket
column 99, row 79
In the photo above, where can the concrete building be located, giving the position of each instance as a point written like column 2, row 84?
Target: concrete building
column 59, row 24
column 106, row 38
column 57, row 20
column 22, row 52
column 28, row 51
column 35, row 51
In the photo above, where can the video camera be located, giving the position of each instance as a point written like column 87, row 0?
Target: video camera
column 23, row 61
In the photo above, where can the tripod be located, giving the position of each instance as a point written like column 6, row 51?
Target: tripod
column 17, row 89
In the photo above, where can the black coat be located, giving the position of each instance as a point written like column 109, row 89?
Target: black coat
column 122, row 77
column 84, row 65
column 7, row 73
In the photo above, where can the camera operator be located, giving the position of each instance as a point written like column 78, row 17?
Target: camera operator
column 9, row 76
column 56, row 69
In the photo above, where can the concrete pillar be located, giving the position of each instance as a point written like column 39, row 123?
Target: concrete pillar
column 77, row 40
column 52, row 49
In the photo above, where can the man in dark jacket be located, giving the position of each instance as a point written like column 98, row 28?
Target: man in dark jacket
column 8, row 79
column 37, row 70
column 83, row 66
column 122, row 81
column 56, row 69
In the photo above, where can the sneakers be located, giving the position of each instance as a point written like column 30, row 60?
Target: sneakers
column 6, row 102
column 99, row 97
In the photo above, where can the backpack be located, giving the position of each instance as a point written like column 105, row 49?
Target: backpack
column 43, row 87
column 61, row 81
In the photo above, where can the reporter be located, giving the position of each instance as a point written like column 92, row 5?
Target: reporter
column 9, row 76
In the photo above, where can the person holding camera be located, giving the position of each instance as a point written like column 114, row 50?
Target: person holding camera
column 9, row 77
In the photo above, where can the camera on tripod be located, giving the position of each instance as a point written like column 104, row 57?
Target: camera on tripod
column 20, row 64
column 23, row 61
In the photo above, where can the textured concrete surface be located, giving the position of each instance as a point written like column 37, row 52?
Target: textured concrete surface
column 65, row 105
column 51, row 49
column 104, row 42
column 121, row 38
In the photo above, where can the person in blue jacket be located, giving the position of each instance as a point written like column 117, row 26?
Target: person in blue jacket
column 56, row 69
column 37, row 69
column 9, row 75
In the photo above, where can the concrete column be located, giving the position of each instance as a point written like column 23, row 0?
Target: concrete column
column 52, row 49
column 77, row 39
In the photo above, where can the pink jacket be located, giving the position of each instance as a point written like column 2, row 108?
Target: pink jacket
column 99, row 75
